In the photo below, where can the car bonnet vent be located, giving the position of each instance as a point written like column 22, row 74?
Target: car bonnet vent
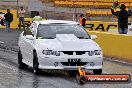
column 66, row 37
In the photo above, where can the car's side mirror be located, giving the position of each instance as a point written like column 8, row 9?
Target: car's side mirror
column 93, row 37
column 30, row 37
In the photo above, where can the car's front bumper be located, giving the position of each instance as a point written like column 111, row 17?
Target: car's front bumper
column 68, row 67
column 54, row 62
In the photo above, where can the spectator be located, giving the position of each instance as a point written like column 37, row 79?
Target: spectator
column 37, row 17
column 82, row 20
column 21, row 13
column 8, row 19
column 115, row 4
column 122, row 15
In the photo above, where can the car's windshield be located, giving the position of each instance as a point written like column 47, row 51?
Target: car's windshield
column 49, row 31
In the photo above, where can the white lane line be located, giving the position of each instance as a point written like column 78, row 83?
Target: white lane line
column 1, row 42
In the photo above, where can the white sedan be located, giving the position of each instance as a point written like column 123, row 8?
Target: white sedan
column 58, row 44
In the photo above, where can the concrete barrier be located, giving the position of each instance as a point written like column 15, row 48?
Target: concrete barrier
column 115, row 45
column 14, row 24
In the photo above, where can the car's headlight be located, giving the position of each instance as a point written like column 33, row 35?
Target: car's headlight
column 95, row 52
column 50, row 52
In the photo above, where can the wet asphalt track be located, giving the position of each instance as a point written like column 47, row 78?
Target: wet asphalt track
column 12, row 77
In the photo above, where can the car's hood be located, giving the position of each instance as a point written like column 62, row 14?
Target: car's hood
column 67, row 42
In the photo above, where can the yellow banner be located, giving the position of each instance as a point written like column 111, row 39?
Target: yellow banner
column 100, row 25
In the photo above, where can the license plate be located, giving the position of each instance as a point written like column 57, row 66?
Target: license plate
column 74, row 60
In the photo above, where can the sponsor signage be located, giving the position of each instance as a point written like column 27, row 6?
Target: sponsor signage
column 1, row 17
column 109, row 78
column 83, row 78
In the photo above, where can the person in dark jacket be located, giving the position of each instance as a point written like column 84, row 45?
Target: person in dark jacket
column 8, row 19
column 122, row 15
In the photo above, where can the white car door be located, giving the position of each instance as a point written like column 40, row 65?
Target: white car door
column 29, row 49
column 26, row 44
column 30, row 42
column 22, row 45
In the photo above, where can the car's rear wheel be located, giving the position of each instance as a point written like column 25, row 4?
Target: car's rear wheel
column 97, row 71
column 21, row 65
column 72, row 73
column 36, row 64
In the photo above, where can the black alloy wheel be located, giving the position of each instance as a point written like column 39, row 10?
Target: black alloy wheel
column 21, row 65
column 35, row 64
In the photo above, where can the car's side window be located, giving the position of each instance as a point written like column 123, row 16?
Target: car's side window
column 27, row 31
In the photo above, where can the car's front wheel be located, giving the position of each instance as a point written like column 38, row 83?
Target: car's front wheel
column 97, row 71
column 21, row 65
column 36, row 64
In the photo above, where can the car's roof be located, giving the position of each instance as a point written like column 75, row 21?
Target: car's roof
column 56, row 22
